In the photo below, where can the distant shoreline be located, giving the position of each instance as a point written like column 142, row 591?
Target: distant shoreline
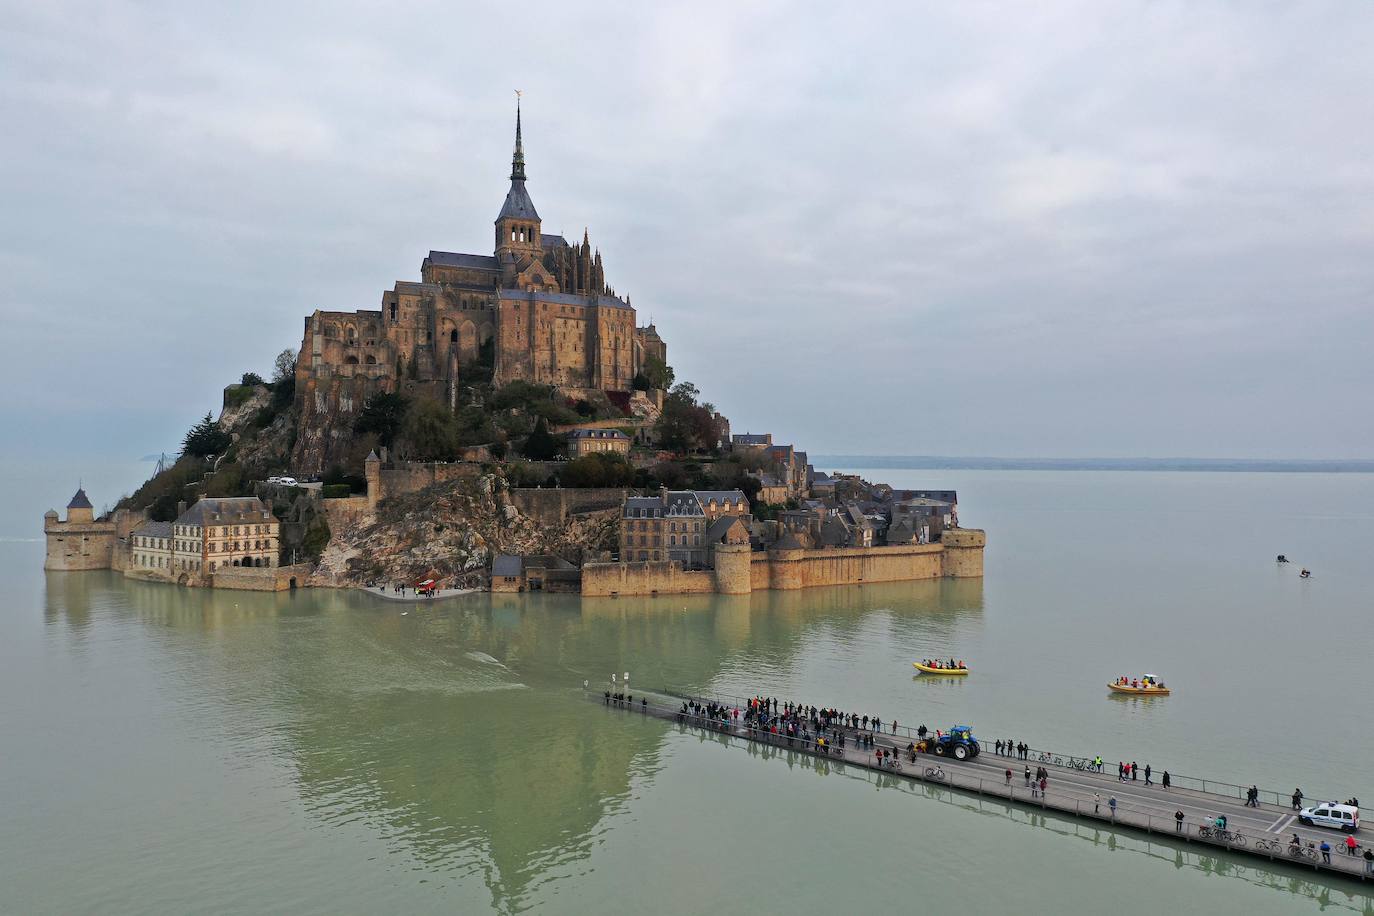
column 953, row 463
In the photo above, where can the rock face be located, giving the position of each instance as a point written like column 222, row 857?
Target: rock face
column 451, row 531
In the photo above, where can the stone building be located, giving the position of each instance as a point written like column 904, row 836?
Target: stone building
column 536, row 309
column 669, row 526
column 81, row 541
column 151, row 549
column 586, row 441
column 716, row 503
column 228, row 532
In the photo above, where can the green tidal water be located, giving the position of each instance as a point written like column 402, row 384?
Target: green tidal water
column 179, row 751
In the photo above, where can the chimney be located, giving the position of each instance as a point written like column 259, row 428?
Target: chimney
column 181, row 508
column 663, row 494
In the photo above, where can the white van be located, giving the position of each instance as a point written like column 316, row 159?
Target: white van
column 1330, row 814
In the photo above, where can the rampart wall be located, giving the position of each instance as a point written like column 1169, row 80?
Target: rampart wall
column 552, row 506
column 740, row 572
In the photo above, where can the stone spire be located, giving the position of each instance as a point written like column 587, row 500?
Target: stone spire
column 517, row 163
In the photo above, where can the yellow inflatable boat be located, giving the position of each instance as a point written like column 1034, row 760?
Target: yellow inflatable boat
column 929, row 670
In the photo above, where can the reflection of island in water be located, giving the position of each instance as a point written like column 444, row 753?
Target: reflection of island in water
column 458, row 731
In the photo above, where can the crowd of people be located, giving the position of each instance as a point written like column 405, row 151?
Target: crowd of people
column 823, row 729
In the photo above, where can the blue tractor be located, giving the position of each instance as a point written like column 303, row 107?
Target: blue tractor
column 958, row 743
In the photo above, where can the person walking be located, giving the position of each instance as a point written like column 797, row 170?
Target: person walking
column 1132, row 771
column 1297, row 799
column 1147, row 774
column 998, row 747
column 1111, row 803
column 1369, row 861
column 1164, row 780
column 1350, row 844
column 1097, row 803
column 1120, row 771
column 1008, row 775
column 1027, row 775
column 1178, row 822
column 1044, row 781
column 1326, row 852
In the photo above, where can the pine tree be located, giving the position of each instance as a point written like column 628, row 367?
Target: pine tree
column 205, row 438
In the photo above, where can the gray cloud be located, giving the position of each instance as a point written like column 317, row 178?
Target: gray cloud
column 1097, row 228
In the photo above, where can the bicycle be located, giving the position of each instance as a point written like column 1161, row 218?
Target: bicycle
column 1302, row 852
column 1223, row 836
column 1268, row 846
column 1058, row 761
column 1076, row 764
column 935, row 773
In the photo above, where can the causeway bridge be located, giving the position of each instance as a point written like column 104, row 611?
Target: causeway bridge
column 1073, row 789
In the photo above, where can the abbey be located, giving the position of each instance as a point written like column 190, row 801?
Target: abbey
column 536, row 309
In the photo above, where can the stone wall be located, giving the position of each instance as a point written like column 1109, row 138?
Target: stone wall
column 345, row 511
column 79, row 545
column 662, row 577
column 553, row 506
column 739, row 571
column 251, row 579
column 416, row 475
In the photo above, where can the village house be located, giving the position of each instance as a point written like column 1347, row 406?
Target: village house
column 588, row 441
column 223, row 532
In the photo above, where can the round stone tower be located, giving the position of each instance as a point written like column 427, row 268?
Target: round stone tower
column 963, row 552
column 732, row 573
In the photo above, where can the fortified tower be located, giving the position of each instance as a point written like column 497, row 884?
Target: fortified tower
column 732, row 569
column 80, row 542
column 963, row 555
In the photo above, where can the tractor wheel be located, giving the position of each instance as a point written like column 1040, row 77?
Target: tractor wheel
column 961, row 752
column 974, row 750
column 940, row 750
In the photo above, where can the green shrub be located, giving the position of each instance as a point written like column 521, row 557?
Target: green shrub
column 336, row 490
column 237, row 395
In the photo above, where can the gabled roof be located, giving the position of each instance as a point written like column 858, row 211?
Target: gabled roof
column 788, row 541
column 154, row 530
column 232, row 510
column 80, row 500
column 715, row 532
column 552, row 241
column 597, row 434
column 562, row 298
column 720, row 495
column 506, row 564
column 472, row 261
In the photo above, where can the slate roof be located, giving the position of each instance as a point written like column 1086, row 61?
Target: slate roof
column 715, row 532
column 684, row 502
column 234, row 510
column 80, row 500
column 506, row 564
column 597, row 434
column 455, row 259
column 788, row 541
column 552, row 241
column 720, row 495
column 411, row 288
column 154, row 530
column 752, row 438
column 649, row 506
column 518, row 204
column 562, row 298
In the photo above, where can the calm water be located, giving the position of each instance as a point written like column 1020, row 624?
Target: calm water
column 181, row 751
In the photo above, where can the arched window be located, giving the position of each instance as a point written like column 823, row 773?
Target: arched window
column 371, row 360
column 453, row 336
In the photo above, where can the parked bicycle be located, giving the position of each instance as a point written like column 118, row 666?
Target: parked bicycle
column 1222, row 836
column 935, row 773
column 1296, row 851
column 1077, row 764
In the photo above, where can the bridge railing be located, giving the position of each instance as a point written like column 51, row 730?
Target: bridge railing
column 1043, row 757
column 928, row 770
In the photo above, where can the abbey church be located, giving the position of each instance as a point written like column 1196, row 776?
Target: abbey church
column 536, row 309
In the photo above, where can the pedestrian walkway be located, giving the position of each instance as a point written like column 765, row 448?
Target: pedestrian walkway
column 1264, row 831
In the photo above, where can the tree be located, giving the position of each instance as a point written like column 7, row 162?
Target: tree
column 686, row 425
column 284, row 367
column 205, row 438
column 251, row 378
column 383, row 414
column 540, row 445
column 657, row 373
column 430, row 431
column 599, row 469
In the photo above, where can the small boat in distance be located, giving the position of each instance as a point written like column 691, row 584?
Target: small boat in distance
column 1145, row 685
column 930, row 666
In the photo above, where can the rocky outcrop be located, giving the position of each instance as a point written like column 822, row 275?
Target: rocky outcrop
column 451, row 531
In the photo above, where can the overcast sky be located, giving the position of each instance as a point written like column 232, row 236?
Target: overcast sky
column 1051, row 229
